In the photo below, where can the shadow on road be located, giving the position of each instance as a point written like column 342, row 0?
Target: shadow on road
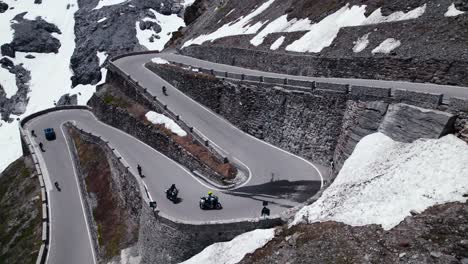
column 296, row 191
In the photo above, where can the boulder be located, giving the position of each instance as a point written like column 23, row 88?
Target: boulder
column 6, row 63
column 3, row 7
column 66, row 99
column 407, row 123
column 7, row 50
column 35, row 36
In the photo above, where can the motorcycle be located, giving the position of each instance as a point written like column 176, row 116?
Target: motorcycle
column 172, row 195
column 210, row 204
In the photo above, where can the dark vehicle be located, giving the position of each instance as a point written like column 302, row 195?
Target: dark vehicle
column 49, row 134
column 171, row 194
column 210, row 202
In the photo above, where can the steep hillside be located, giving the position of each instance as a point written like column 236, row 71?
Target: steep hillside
column 356, row 39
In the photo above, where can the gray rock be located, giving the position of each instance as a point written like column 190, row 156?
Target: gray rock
column 464, row 261
column 66, row 99
column 29, row 56
column 436, row 254
column 407, row 123
column 3, row 7
column 6, row 62
column 7, row 50
column 34, row 36
column 38, row 2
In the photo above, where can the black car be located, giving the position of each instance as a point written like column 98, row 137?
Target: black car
column 49, row 134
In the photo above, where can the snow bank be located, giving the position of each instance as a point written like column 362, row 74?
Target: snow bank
column 233, row 251
column 240, row 27
column 103, row 3
column 387, row 46
column 453, row 11
column 361, row 43
column 8, row 82
column 156, row 118
column 158, row 60
column 277, row 43
column 169, row 24
column 383, row 180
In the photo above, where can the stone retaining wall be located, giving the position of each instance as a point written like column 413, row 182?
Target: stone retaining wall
column 307, row 124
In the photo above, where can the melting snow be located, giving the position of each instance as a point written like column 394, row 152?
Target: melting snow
column 103, row 3
column 319, row 36
column 383, row 180
column 8, row 82
column 361, row 43
column 387, row 46
column 240, row 27
column 277, row 43
column 453, row 11
column 376, row 17
column 187, row 3
column 158, row 60
column 168, row 25
column 323, row 33
column 233, row 251
column 156, row 118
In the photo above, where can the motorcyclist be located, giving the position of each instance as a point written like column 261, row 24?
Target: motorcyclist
column 211, row 199
column 172, row 190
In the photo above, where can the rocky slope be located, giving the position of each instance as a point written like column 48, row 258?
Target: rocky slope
column 374, row 38
column 438, row 235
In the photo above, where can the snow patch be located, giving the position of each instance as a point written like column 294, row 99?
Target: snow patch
column 453, row 11
column 188, row 3
column 233, row 251
column 387, row 46
column 102, row 20
column 361, row 43
column 383, row 180
column 240, row 27
column 376, row 17
column 156, row 118
column 158, row 60
column 10, row 143
column 8, row 82
column 169, row 24
column 277, row 43
column 322, row 34
column 103, row 3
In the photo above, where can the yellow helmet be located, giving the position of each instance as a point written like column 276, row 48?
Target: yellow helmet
column 210, row 193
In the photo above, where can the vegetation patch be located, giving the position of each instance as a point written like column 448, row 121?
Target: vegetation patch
column 20, row 213
column 115, row 230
